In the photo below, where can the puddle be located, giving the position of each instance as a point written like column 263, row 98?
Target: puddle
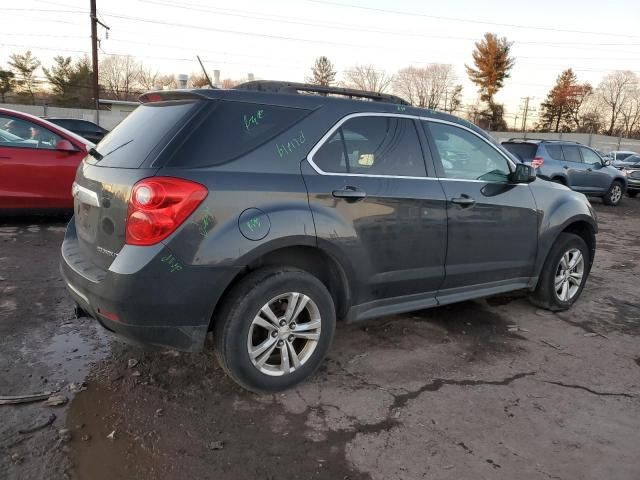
column 75, row 352
column 92, row 417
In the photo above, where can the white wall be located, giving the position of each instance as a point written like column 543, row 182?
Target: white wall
column 603, row 143
column 108, row 118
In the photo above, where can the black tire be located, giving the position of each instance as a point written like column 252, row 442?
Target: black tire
column 232, row 325
column 614, row 195
column 632, row 193
column 545, row 295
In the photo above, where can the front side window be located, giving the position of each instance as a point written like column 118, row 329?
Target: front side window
column 571, row 154
column 590, row 156
column 19, row 133
column 375, row 145
column 466, row 156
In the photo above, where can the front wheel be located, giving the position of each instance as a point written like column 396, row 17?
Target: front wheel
column 274, row 329
column 564, row 273
column 614, row 195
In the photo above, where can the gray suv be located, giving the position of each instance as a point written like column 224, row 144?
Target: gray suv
column 572, row 164
column 268, row 212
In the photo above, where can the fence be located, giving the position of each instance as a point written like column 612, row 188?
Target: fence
column 107, row 118
column 603, row 143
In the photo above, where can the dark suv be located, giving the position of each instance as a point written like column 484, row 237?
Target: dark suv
column 267, row 212
column 572, row 164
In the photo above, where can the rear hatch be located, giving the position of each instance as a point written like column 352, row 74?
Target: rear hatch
column 524, row 151
column 105, row 179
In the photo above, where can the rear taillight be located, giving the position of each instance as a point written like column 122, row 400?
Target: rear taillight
column 158, row 206
column 537, row 162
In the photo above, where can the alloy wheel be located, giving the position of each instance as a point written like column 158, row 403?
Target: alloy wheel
column 616, row 194
column 284, row 334
column 569, row 273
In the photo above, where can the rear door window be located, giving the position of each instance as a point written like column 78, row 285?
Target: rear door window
column 375, row 145
column 130, row 143
column 526, row 151
column 571, row 153
column 555, row 152
column 232, row 129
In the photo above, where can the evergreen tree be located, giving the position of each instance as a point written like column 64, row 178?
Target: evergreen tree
column 24, row 67
column 322, row 72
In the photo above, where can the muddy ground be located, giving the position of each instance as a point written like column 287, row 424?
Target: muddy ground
column 492, row 389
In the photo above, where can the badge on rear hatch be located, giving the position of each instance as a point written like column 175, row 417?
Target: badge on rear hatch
column 106, row 252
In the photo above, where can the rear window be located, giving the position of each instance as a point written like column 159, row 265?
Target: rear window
column 555, row 152
column 571, row 154
column 232, row 129
column 526, row 150
column 130, row 143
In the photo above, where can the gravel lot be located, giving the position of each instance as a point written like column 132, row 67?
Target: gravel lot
column 492, row 389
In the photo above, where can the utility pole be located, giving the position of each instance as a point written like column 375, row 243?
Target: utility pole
column 526, row 111
column 94, row 56
column 515, row 122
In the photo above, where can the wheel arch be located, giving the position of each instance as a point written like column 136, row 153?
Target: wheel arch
column 311, row 259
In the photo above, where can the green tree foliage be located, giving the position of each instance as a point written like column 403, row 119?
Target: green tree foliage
column 492, row 65
column 322, row 72
column 7, row 83
column 71, row 83
column 24, row 67
column 563, row 102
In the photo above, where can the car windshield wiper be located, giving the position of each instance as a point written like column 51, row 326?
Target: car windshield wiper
column 95, row 154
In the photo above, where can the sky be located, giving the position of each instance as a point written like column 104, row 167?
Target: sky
column 279, row 39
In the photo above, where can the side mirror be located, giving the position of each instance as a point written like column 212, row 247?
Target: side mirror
column 606, row 162
column 523, row 174
column 65, row 146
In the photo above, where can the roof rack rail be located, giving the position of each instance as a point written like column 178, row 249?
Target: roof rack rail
column 293, row 87
column 541, row 139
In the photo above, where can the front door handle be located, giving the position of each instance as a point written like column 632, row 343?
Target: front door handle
column 5, row 158
column 350, row 194
column 463, row 200
column 565, row 167
column 589, row 169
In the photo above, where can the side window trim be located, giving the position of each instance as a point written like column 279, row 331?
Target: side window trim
column 337, row 127
column 436, row 155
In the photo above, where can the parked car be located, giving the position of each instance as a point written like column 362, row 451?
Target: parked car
column 630, row 167
column 619, row 155
column 572, row 164
column 86, row 129
column 38, row 163
column 265, row 214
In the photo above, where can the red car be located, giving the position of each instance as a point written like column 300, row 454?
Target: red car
column 38, row 162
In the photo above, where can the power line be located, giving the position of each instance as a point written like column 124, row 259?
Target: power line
column 466, row 20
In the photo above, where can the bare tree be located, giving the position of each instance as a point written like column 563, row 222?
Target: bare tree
column 424, row 87
column 454, row 98
column 119, row 76
column 630, row 113
column 147, row 78
column 615, row 90
column 166, row 82
column 365, row 77
column 198, row 80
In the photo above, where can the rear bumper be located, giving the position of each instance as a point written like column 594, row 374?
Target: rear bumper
column 151, row 303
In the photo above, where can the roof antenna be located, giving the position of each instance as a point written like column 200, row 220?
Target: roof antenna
column 205, row 72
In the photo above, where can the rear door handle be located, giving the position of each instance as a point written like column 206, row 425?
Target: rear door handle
column 463, row 201
column 589, row 169
column 565, row 167
column 5, row 158
column 350, row 194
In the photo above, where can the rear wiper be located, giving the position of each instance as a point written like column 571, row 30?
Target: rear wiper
column 118, row 148
column 95, row 154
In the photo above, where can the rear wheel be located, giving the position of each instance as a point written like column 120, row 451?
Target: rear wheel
column 614, row 195
column 274, row 329
column 564, row 273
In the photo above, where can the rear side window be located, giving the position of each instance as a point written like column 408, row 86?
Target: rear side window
column 526, row 151
column 555, row 152
column 373, row 146
column 232, row 129
column 571, row 154
column 130, row 143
